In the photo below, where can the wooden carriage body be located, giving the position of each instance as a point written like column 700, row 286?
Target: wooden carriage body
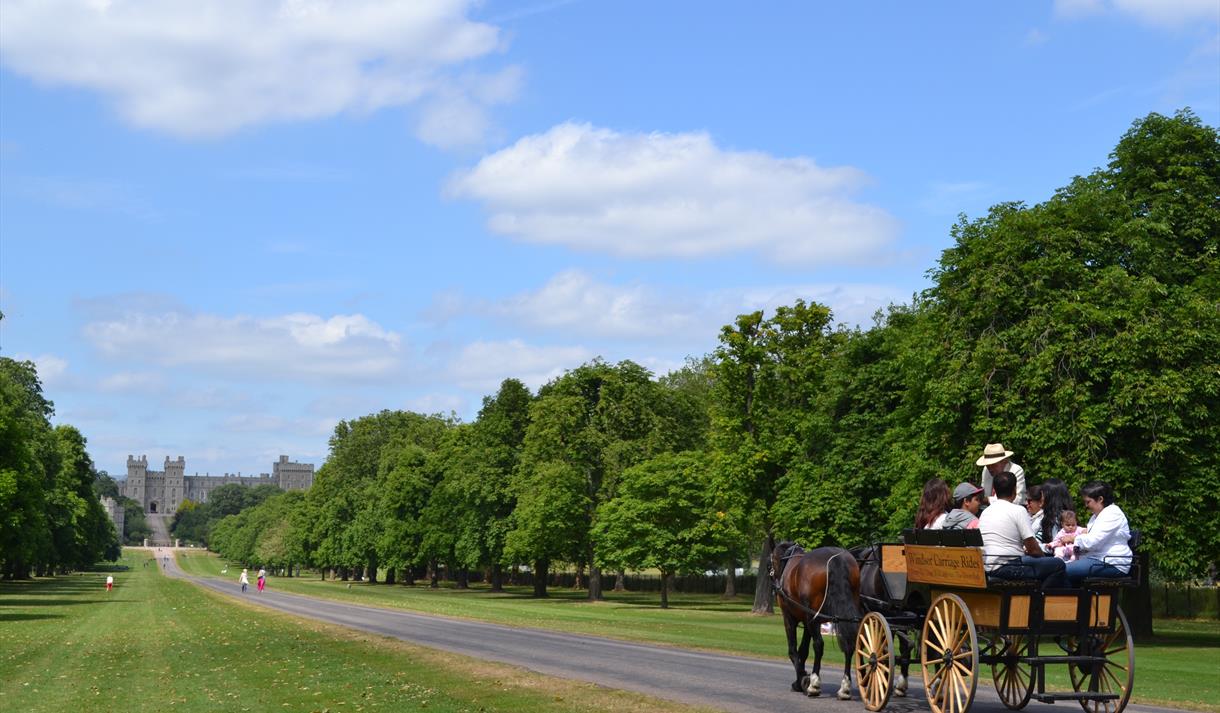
column 940, row 604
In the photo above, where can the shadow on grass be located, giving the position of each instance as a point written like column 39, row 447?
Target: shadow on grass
column 21, row 616
column 52, row 602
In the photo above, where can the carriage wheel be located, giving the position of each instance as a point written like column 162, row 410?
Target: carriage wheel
column 949, row 653
column 873, row 661
column 1115, row 675
column 1014, row 679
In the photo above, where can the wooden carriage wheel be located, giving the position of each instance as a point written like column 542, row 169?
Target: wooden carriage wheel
column 1115, row 675
column 873, row 661
column 1014, row 679
column 949, row 653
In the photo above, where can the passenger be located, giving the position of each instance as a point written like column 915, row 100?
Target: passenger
column 1055, row 499
column 934, row 506
column 1103, row 550
column 1033, row 506
column 997, row 460
column 967, row 500
column 1009, row 548
column 1067, row 526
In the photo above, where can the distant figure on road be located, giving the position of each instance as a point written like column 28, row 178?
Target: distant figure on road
column 262, row 580
column 109, row 582
column 245, row 581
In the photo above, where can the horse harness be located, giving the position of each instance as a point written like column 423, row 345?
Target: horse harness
column 777, row 589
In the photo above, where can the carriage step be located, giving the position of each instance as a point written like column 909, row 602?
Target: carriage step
column 1077, row 696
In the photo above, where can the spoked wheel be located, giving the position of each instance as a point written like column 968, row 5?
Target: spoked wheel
column 949, row 652
column 1014, row 679
column 873, row 661
column 1115, row 675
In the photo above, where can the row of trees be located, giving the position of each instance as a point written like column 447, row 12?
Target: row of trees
column 1083, row 332
column 51, row 520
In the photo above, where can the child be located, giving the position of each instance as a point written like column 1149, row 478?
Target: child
column 262, row 580
column 109, row 582
column 1067, row 526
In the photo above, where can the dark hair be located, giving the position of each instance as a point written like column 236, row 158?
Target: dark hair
column 1098, row 490
column 1055, row 499
column 1005, row 484
column 936, row 501
column 1034, row 493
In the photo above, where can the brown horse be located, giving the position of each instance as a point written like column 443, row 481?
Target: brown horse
column 815, row 587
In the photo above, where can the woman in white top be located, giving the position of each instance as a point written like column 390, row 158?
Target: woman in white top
column 244, row 579
column 1103, row 550
column 934, row 505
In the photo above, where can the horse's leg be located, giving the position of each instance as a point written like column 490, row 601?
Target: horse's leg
column 900, row 681
column 845, row 683
column 798, row 664
column 803, row 654
column 815, row 680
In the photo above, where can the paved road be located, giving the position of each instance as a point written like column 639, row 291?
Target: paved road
column 730, row 683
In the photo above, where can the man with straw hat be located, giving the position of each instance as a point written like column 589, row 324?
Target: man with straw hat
column 996, row 459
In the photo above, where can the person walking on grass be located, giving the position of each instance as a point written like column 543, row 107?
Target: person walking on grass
column 245, row 581
column 262, row 580
column 109, row 582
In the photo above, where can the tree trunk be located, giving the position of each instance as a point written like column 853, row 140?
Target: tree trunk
column 463, row 578
column 665, row 579
column 408, row 576
column 541, row 570
column 595, row 584
column 343, row 573
column 764, row 601
column 730, row 583
column 1137, row 603
column 620, row 581
column 434, row 574
column 497, row 578
column 389, row 575
column 372, row 570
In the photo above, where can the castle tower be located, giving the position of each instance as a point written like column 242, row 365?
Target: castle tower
column 137, row 472
column 175, row 488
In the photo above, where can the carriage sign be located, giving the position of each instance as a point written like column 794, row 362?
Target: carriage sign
column 954, row 566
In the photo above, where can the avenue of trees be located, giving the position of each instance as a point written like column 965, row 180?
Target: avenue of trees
column 51, row 520
column 1083, row 332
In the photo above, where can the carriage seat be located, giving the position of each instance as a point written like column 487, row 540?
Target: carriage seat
column 1133, row 575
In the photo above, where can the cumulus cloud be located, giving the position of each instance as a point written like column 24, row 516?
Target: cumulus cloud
column 52, row 370
column 574, row 302
column 1162, row 13
column 673, row 195
column 293, row 346
column 132, row 382
column 483, row 365
column 211, row 67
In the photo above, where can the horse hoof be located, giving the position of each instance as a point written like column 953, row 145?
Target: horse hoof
column 797, row 686
column 900, row 686
column 812, row 686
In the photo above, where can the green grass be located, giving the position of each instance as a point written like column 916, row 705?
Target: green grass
column 156, row 644
column 1181, row 667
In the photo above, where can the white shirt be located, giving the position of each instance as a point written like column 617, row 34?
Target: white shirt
column 1017, row 471
column 1107, row 538
column 109, row 579
column 939, row 522
column 1005, row 526
column 243, row 578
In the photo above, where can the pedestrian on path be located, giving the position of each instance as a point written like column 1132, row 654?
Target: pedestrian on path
column 109, row 582
column 262, row 580
column 245, row 581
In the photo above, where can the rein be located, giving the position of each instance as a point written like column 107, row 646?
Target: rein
column 778, row 589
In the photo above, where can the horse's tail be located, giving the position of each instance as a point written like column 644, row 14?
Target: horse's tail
column 843, row 597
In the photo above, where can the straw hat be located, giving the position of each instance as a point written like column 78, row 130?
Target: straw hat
column 993, row 453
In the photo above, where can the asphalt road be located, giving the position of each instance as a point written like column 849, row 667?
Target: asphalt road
column 730, row 683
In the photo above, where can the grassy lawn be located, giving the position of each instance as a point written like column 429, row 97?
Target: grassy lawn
column 1180, row 668
column 156, row 644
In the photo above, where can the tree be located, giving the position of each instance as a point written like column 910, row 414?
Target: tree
column 664, row 517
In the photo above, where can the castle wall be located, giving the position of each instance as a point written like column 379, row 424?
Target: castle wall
column 164, row 491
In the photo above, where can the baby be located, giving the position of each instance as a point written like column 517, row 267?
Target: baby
column 1067, row 526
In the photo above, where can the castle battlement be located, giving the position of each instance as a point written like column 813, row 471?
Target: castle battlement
column 163, row 491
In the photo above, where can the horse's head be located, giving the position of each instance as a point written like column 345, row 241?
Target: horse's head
column 778, row 555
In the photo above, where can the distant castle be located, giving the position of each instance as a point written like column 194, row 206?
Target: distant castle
column 162, row 491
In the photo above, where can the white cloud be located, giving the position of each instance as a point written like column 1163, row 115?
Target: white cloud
column 211, row 67
column 673, row 195
column 483, row 365
column 52, row 370
column 1161, row 13
column 132, row 382
column 293, row 346
column 573, row 302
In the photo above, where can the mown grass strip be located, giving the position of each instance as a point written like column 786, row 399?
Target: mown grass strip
column 1181, row 668
column 156, row 644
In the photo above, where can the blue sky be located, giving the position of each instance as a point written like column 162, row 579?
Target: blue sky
column 224, row 226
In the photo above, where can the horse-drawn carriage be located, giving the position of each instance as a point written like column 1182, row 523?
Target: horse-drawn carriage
column 928, row 601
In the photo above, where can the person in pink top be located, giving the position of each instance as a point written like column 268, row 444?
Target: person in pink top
column 1062, row 546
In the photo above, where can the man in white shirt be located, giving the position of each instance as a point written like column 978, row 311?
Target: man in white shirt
column 1009, row 548
column 996, row 459
column 1106, row 552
